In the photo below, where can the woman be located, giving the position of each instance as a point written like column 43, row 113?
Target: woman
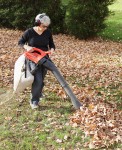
column 40, row 37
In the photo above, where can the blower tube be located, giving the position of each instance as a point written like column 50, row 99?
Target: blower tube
column 46, row 62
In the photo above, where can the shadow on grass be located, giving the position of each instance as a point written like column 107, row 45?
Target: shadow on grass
column 61, row 109
column 56, row 104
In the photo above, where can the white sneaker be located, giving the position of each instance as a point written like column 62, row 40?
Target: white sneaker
column 34, row 104
column 42, row 97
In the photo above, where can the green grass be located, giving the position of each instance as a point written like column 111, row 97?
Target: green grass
column 46, row 128
column 117, row 6
column 113, row 30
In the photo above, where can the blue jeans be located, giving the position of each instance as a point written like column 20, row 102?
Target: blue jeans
column 38, row 83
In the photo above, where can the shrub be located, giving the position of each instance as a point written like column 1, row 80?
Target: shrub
column 20, row 14
column 85, row 18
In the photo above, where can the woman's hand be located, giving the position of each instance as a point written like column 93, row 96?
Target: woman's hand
column 52, row 51
column 28, row 48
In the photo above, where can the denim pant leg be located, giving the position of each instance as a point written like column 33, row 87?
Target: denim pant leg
column 38, row 83
column 44, row 72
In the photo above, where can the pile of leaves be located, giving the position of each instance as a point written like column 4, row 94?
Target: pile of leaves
column 93, row 68
column 101, row 123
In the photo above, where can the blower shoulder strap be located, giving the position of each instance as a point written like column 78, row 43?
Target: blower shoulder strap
column 26, row 67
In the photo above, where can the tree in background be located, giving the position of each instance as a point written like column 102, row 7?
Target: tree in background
column 81, row 18
column 85, row 18
column 20, row 14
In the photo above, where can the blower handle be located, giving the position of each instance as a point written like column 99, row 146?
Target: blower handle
column 36, row 54
column 39, row 50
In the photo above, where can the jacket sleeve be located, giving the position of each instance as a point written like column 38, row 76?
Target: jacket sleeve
column 24, row 39
column 51, row 43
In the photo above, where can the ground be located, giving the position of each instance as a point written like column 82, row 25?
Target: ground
column 93, row 69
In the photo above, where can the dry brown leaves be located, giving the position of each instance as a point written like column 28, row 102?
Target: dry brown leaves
column 100, row 122
column 80, row 61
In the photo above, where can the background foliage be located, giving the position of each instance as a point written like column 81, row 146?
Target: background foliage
column 20, row 14
column 86, row 18
column 80, row 18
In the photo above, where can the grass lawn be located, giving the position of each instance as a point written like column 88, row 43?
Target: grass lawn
column 117, row 6
column 42, row 129
column 113, row 31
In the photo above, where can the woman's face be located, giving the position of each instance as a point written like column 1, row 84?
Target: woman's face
column 43, row 27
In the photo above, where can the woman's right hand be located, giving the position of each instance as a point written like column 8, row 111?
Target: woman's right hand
column 28, row 48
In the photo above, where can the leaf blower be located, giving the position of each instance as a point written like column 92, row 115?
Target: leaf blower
column 41, row 58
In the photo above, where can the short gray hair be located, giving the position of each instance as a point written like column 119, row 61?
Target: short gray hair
column 44, row 19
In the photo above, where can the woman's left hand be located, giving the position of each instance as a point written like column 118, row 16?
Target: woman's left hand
column 52, row 51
